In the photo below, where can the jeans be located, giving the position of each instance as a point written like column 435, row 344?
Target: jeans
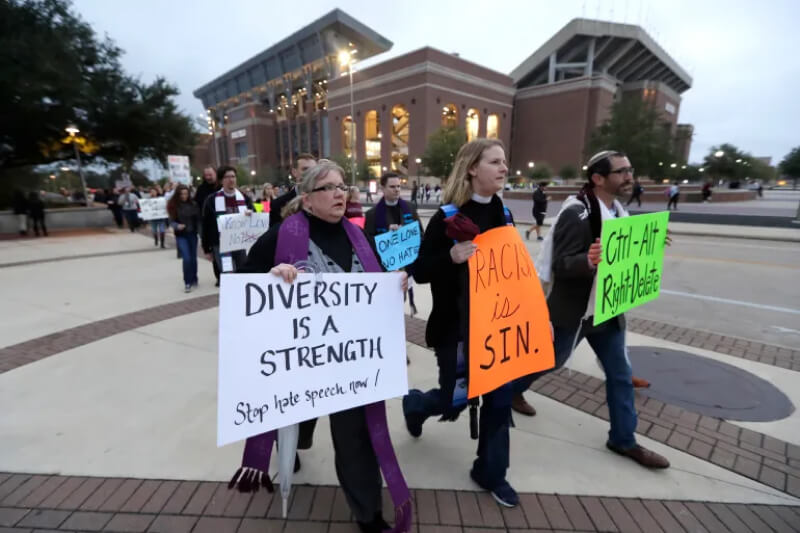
column 158, row 226
column 608, row 342
column 132, row 217
column 495, row 418
column 187, row 245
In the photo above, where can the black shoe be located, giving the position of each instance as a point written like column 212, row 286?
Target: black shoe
column 376, row 525
column 413, row 421
column 217, row 283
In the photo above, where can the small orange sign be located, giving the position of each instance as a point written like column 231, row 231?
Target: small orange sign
column 509, row 324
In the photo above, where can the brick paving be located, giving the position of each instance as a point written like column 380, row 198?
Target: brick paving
column 62, row 503
column 79, row 256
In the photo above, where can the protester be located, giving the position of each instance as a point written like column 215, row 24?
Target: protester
column 112, row 199
column 427, row 193
column 20, row 207
column 300, row 164
column 184, row 218
column 129, row 203
column 706, row 191
column 209, row 186
column 353, row 207
column 389, row 214
column 437, row 191
column 36, row 211
column 317, row 232
column 673, row 193
column 637, row 192
column 569, row 259
column 414, row 192
column 158, row 226
column 268, row 194
column 539, row 210
column 478, row 174
column 227, row 200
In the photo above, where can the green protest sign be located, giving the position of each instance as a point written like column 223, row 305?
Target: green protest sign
column 630, row 271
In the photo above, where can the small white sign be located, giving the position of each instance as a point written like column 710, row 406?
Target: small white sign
column 238, row 133
column 179, row 169
column 239, row 231
column 153, row 208
column 334, row 342
column 670, row 108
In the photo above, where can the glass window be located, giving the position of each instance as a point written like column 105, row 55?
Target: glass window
column 492, row 126
column 473, row 119
column 240, row 149
column 449, row 116
column 348, row 136
column 400, row 136
column 372, row 137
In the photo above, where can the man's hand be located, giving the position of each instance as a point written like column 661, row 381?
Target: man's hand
column 285, row 271
column 462, row 251
column 595, row 253
column 394, row 227
column 181, row 227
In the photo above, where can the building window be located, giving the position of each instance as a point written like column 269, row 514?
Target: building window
column 348, row 136
column 492, row 126
column 450, row 116
column 303, row 137
column 400, row 137
column 240, row 149
column 372, row 138
column 473, row 120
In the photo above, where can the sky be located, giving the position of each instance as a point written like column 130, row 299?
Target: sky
column 742, row 55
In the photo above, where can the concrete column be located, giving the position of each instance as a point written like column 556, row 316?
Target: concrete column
column 551, row 75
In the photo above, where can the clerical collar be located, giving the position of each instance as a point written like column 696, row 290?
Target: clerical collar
column 481, row 199
column 390, row 204
column 229, row 194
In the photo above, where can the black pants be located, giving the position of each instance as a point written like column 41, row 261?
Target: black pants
column 117, row 213
column 637, row 197
column 37, row 222
column 356, row 465
column 673, row 200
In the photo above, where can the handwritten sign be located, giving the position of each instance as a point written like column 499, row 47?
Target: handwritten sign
column 630, row 271
column 239, row 231
column 315, row 359
column 509, row 323
column 399, row 248
column 153, row 208
column 179, row 169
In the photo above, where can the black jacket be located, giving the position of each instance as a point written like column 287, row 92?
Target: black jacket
column 572, row 275
column 277, row 205
column 209, row 233
column 394, row 215
column 203, row 191
column 449, row 282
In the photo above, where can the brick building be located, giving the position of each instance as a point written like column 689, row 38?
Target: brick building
column 296, row 97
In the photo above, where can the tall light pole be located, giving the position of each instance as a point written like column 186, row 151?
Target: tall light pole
column 345, row 58
column 73, row 130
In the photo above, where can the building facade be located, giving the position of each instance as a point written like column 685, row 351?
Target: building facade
column 297, row 96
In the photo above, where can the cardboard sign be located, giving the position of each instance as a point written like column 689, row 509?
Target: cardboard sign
column 400, row 247
column 630, row 271
column 179, row 169
column 153, row 208
column 291, row 352
column 239, row 231
column 509, row 323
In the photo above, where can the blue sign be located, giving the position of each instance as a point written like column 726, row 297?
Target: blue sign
column 400, row 247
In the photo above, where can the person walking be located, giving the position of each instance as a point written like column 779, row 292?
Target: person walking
column 112, row 201
column 414, row 192
column 539, row 210
column 36, row 211
column 20, row 206
column 706, row 191
column 317, row 232
column 158, row 226
column 184, row 218
column 673, row 193
column 129, row 203
column 300, row 164
column 478, row 174
column 637, row 192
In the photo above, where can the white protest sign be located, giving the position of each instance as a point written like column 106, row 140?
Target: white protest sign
column 291, row 352
column 240, row 231
column 179, row 169
column 153, row 208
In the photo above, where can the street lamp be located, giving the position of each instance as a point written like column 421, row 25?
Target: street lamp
column 73, row 130
column 673, row 165
column 530, row 164
column 346, row 59
column 719, row 153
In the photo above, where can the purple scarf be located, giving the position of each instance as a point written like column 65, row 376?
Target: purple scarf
column 293, row 239
column 380, row 214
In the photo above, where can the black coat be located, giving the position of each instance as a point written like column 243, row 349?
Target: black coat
column 209, row 233
column 277, row 205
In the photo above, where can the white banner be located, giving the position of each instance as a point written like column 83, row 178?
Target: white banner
column 239, row 231
column 291, row 352
column 153, row 208
column 179, row 169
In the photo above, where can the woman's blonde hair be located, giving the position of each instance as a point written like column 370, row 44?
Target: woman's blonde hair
column 307, row 182
column 458, row 187
column 264, row 192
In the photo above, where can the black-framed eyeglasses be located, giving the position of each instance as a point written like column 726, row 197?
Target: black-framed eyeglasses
column 330, row 187
column 623, row 170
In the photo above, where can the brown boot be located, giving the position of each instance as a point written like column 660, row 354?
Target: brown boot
column 639, row 383
column 641, row 455
column 520, row 405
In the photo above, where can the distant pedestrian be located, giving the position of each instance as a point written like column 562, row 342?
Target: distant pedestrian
column 706, row 191
column 539, row 210
column 112, row 197
column 300, row 164
column 760, row 190
column 184, row 217
column 353, row 208
column 158, row 226
column 637, row 192
column 20, row 206
column 673, row 193
column 414, row 191
column 129, row 203
column 36, row 211
column 209, row 186
column 437, row 194
column 427, row 193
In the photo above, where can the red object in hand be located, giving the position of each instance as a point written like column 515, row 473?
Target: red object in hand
column 460, row 228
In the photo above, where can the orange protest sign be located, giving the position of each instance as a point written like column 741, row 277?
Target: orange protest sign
column 509, row 324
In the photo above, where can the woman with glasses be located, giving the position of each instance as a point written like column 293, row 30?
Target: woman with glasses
column 316, row 232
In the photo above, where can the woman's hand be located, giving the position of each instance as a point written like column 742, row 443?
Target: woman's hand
column 181, row 227
column 394, row 227
column 285, row 271
column 462, row 251
column 404, row 282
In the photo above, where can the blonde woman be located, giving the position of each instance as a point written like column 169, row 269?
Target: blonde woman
column 354, row 209
column 479, row 173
